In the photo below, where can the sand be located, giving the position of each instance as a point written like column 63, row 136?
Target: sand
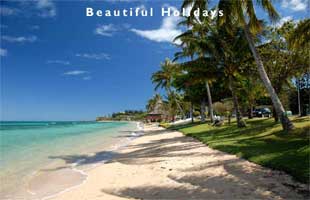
column 165, row 164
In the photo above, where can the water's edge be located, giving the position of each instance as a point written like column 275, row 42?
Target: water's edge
column 116, row 147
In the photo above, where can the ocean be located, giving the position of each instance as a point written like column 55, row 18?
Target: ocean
column 33, row 152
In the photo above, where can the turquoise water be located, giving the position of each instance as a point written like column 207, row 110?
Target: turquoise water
column 26, row 147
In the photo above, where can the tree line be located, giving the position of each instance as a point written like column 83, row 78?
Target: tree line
column 237, row 61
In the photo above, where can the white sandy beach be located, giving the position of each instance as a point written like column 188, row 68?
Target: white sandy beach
column 164, row 164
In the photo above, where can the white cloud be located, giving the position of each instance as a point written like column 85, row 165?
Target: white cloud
column 100, row 56
column 6, row 11
column 296, row 5
column 42, row 8
column 106, row 30
column 75, row 72
column 283, row 20
column 165, row 33
column 3, row 52
column 86, row 78
column 19, row 39
column 62, row 62
column 46, row 7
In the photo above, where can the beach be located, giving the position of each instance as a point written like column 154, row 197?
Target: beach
column 154, row 100
column 32, row 164
column 165, row 164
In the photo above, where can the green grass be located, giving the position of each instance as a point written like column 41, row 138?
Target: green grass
column 262, row 142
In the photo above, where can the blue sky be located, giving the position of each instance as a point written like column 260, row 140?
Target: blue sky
column 58, row 64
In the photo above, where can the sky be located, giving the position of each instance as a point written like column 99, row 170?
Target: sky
column 59, row 64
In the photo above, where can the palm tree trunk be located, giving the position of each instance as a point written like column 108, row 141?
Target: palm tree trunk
column 210, row 106
column 298, row 97
column 275, row 114
column 286, row 123
column 192, row 113
column 251, row 111
column 203, row 110
column 240, row 121
column 177, row 102
column 180, row 108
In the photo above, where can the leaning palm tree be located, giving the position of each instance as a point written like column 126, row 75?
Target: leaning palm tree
column 164, row 78
column 242, row 12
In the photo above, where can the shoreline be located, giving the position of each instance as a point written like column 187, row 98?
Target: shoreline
column 84, row 172
column 59, row 175
column 166, row 164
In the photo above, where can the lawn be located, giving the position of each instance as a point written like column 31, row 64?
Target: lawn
column 262, row 142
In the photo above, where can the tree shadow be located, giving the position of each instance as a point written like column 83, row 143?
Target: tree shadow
column 301, row 119
column 236, row 184
column 139, row 154
column 139, row 132
column 177, row 127
column 262, row 142
column 196, row 182
column 159, row 192
column 85, row 159
column 239, row 181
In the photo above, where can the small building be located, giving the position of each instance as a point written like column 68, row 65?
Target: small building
column 157, row 112
column 154, row 117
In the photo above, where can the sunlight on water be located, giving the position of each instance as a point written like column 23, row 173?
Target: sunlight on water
column 28, row 146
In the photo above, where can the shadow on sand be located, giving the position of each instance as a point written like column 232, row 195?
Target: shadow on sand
column 237, row 183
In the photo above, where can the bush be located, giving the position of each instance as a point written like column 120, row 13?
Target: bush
column 164, row 124
column 196, row 113
column 219, row 108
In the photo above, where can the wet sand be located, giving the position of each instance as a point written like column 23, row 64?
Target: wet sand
column 165, row 164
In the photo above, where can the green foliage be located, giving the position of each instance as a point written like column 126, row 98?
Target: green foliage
column 281, row 62
column 262, row 142
column 164, row 124
column 299, row 38
column 163, row 78
column 127, row 115
column 222, row 54
column 196, row 113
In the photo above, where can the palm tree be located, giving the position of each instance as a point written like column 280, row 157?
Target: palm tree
column 193, row 89
column 151, row 104
column 164, row 77
column 199, row 72
column 222, row 49
column 299, row 38
column 171, row 104
column 231, row 48
column 242, row 12
column 194, row 43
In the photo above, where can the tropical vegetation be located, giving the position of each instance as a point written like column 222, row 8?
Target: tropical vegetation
column 239, row 66
column 228, row 66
